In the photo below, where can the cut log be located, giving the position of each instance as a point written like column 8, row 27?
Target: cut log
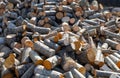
column 43, row 49
column 29, row 72
column 35, row 57
column 59, row 15
column 26, row 42
column 41, row 76
column 10, row 38
column 68, row 75
column 21, row 69
column 105, row 68
column 113, row 44
column 25, row 55
column 76, row 73
column 52, row 62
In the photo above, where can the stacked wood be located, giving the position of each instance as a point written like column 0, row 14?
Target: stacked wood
column 59, row 39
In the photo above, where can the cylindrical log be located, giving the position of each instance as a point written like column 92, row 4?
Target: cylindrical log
column 25, row 55
column 114, row 76
column 113, row 44
column 115, row 60
column 21, row 69
column 59, row 15
column 52, row 45
column 35, row 57
column 76, row 73
column 68, row 75
column 42, row 30
column 111, row 64
column 43, row 49
column 29, row 72
column 41, row 76
column 26, row 42
column 50, row 13
column 117, row 55
column 105, row 68
column 15, row 45
column 52, row 62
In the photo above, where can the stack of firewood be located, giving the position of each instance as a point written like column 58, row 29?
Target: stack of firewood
column 59, row 39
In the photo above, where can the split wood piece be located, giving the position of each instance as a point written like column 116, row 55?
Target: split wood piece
column 104, row 46
column 6, row 73
column 52, row 45
column 49, row 13
column 49, row 7
column 15, row 45
column 10, row 61
column 115, row 60
column 99, row 59
column 2, row 40
column 68, row 74
column 43, row 49
column 41, row 76
column 65, row 19
column 59, row 15
column 77, row 45
column 105, row 68
column 29, row 72
column 118, row 22
column 10, row 38
column 100, row 73
column 33, row 20
column 52, row 73
column 113, row 44
column 111, row 64
column 68, row 63
column 35, row 57
column 26, row 42
column 21, row 69
column 76, row 73
column 25, row 55
column 52, row 62
column 4, row 51
column 80, row 68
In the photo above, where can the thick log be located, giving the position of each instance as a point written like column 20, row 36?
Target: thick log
column 115, row 60
column 52, row 73
column 35, row 57
column 105, row 68
column 117, row 55
column 59, row 15
column 52, row 62
column 76, row 73
column 52, row 45
column 29, row 72
column 43, row 49
column 100, row 73
column 111, row 64
column 26, row 42
column 25, row 55
column 68, row 75
column 50, row 13
column 113, row 44
column 21, row 69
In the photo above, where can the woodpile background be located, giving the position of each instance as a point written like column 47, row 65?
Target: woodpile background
column 59, row 39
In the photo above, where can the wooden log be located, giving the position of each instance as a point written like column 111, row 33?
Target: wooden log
column 117, row 55
column 118, row 22
column 88, row 75
column 33, row 20
column 43, row 49
column 29, row 72
column 52, row 45
column 76, row 73
column 105, row 68
column 40, row 76
column 42, row 30
column 109, row 23
column 72, row 20
column 41, row 22
column 111, row 64
column 35, row 57
column 59, row 15
column 15, row 45
column 10, row 61
column 65, row 19
column 113, row 44
column 21, row 69
column 100, row 73
column 5, row 51
column 91, row 22
column 96, row 15
column 50, row 13
column 104, row 46
column 68, row 74
column 48, row 7
column 52, row 62
column 26, row 42
column 80, row 68
column 52, row 73
column 25, row 55
column 115, row 60
column 10, row 38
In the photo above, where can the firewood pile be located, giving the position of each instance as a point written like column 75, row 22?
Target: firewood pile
column 59, row 39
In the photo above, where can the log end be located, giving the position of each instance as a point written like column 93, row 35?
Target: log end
column 29, row 43
column 82, row 70
column 39, row 62
column 118, row 47
column 47, row 64
column 118, row 64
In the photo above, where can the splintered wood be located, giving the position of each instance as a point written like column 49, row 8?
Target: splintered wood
column 59, row 39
